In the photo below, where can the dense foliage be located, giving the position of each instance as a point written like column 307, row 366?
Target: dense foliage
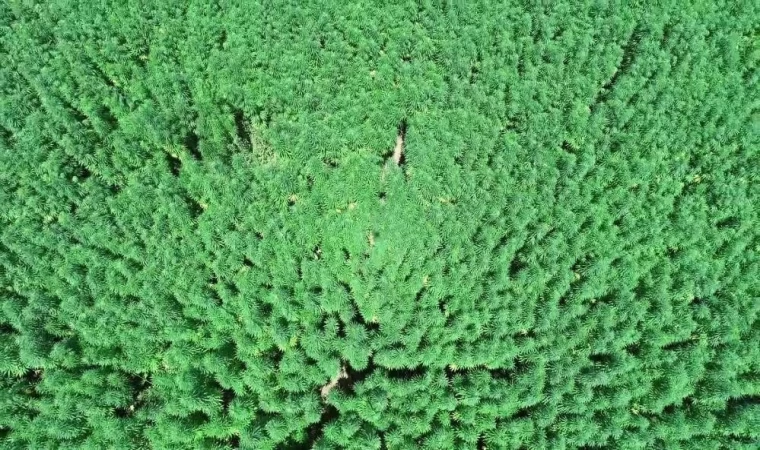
column 203, row 229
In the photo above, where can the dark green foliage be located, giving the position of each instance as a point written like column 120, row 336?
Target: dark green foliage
column 202, row 225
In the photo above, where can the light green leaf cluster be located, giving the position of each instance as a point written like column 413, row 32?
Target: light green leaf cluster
column 206, row 243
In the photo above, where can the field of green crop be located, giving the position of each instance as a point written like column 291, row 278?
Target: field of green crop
column 379, row 225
